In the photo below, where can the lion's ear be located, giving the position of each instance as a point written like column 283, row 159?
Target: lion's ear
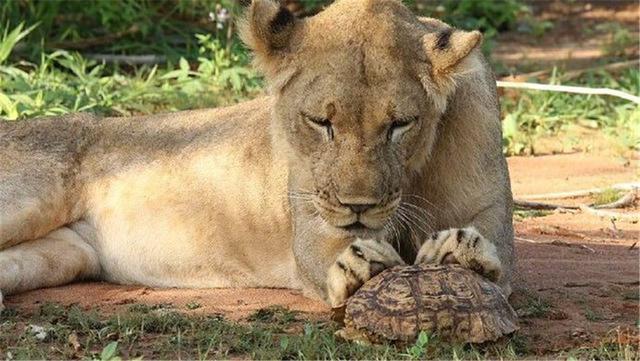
column 267, row 29
column 449, row 47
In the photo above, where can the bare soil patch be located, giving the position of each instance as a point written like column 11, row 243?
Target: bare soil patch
column 568, row 296
column 574, row 41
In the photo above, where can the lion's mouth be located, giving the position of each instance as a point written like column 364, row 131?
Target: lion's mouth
column 360, row 229
column 356, row 226
column 364, row 225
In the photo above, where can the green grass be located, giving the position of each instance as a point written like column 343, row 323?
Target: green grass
column 535, row 307
column 521, row 214
column 63, row 82
column 124, row 27
column 159, row 332
column 536, row 114
column 592, row 315
column 609, row 350
column 607, row 196
column 276, row 315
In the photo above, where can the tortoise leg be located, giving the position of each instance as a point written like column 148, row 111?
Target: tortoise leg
column 363, row 259
column 465, row 246
column 353, row 335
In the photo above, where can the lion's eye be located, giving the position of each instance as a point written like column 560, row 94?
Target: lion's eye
column 399, row 127
column 321, row 124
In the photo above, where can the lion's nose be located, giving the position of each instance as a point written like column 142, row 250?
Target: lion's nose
column 358, row 204
column 359, row 208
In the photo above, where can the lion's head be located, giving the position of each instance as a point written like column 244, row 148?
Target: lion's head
column 359, row 90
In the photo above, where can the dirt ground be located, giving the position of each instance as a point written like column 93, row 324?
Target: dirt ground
column 578, row 291
column 574, row 40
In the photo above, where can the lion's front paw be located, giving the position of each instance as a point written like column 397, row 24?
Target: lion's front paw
column 363, row 259
column 465, row 246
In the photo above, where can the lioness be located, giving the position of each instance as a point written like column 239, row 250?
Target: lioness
column 379, row 144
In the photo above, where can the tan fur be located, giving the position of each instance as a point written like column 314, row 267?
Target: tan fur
column 258, row 194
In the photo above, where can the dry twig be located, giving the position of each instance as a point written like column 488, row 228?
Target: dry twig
column 540, row 206
column 556, row 242
column 623, row 217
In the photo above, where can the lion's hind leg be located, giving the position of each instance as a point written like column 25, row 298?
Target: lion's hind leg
column 40, row 188
column 60, row 257
column 32, row 203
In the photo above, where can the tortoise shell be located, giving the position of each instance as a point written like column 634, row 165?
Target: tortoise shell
column 453, row 302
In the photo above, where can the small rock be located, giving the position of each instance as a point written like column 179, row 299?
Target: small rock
column 74, row 342
column 580, row 334
column 39, row 332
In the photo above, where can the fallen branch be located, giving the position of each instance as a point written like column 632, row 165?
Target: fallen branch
column 570, row 89
column 129, row 59
column 527, row 240
column 578, row 284
column 541, row 206
column 634, row 186
column 563, row 232
column 556, row 242
column 624, row 217
column 624, row 201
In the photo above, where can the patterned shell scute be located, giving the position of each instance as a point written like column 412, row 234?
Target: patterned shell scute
column 449, row 300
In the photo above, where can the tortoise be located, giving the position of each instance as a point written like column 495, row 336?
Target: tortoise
column 450, row 301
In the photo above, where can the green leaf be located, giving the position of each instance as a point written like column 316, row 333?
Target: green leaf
column 8, row 107
column 510, row 125
column 423, row 338
column 184, row 64
column 284, row 343
column 109, row 352
column 9, row 41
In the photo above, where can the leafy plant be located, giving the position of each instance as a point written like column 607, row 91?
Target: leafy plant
column 122, row 27
column 419, row 349
column 609, row 195
column 536, row 114
column 619, row 38
column 110, row 352
column 497, row 15
column 531, row 25
column 521, row 214
column 63, row 82
column 11, row 38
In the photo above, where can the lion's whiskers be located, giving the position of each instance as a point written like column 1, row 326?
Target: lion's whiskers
column 392, row 227
column 416, row 219
column 311, row 224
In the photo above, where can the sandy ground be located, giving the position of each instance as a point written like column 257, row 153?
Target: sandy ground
column 589, row 282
